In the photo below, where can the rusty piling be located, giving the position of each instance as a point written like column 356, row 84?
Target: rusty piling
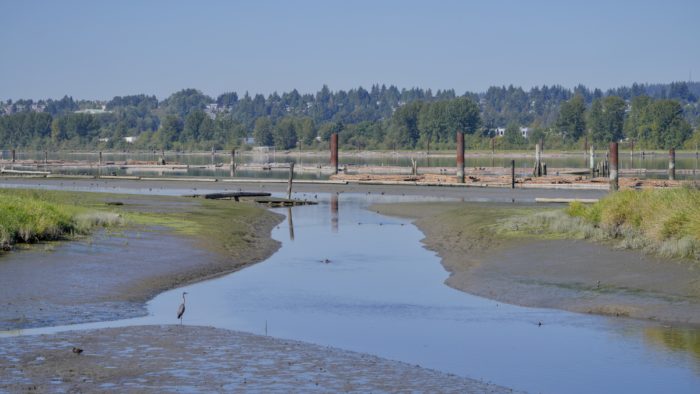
column 614, row 177
column 460, row 157
column 334, row 152
column 672, row 164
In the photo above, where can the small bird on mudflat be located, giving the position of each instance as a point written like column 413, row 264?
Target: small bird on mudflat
column 77, row 350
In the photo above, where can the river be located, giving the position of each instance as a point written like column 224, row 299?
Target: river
column 381, row 292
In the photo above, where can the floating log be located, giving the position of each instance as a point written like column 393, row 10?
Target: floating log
column 231, row 195
column 282, row 202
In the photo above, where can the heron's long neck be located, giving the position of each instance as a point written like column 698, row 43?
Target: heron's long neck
column 183, row 298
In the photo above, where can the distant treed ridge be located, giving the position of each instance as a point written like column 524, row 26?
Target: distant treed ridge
column 652, row 116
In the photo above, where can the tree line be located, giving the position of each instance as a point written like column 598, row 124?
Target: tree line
column 652, row 116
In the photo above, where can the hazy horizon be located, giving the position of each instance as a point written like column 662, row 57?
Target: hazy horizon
column 97, row 51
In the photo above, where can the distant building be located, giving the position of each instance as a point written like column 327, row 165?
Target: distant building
column 500, row 131
column 103, row 139
column 130, row 140
column 93, row 111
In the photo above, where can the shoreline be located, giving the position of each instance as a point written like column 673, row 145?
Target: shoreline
column 176, row 358
column 591, row 278
column 111, row 274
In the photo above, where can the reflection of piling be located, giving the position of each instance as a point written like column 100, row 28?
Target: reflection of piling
column 591, row 161
column 233, row 162
column 334, row 152
column 614, row 179
column 334, row 212
column 289, row 184
column 512, row 174
column 291, row 223
column 672, row 164
column 460, row 157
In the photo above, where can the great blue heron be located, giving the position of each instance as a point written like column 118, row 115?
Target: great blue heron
column 181, row 309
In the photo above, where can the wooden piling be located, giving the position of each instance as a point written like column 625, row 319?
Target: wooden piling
column 544, row 169
column 614, row 179
column 334, row 152
column 672, row 164
column 99, row 159
column 291, row 177
column 512, row 174
column 591, row 161
column 13, row 155
column 46, row 157
column 460, row 157
column 233, row 162
column 537, row 171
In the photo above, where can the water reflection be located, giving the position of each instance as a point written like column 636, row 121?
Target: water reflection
column 677, row 339
column 334, row 212
column 290, row 221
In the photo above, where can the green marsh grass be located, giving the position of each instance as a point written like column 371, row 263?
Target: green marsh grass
column 665, row 222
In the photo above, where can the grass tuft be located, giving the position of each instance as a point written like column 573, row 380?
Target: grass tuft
column 661, row 221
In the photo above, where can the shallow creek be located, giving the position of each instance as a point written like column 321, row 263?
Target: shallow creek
column 381, row 292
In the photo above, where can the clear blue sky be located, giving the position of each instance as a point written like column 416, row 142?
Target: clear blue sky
column 99, row 49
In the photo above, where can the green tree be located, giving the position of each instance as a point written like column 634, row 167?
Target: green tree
column 571, row 122
column 262, row 132
column 285, row 134
column 513, row 136
column 606, row 119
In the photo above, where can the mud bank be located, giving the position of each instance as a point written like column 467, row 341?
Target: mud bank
column 578, row 276
column 200, row 359
column 111, row 274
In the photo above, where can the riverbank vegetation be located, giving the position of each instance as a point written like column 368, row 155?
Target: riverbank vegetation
column 665, row 222
column 28, row 217
column 654, row 116
column 237, row 230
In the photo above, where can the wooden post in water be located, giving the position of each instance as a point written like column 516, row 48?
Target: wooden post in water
column 13, row 155
column 289, row 185
column 672, row 164
column 233, row 162
column 334, row 152
column 512, row 174
column 460, row 157
column 99, row 158
column 537, row 171
column 46, row 157
column 591, row 162
column 614, row 178
column 544, row 169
